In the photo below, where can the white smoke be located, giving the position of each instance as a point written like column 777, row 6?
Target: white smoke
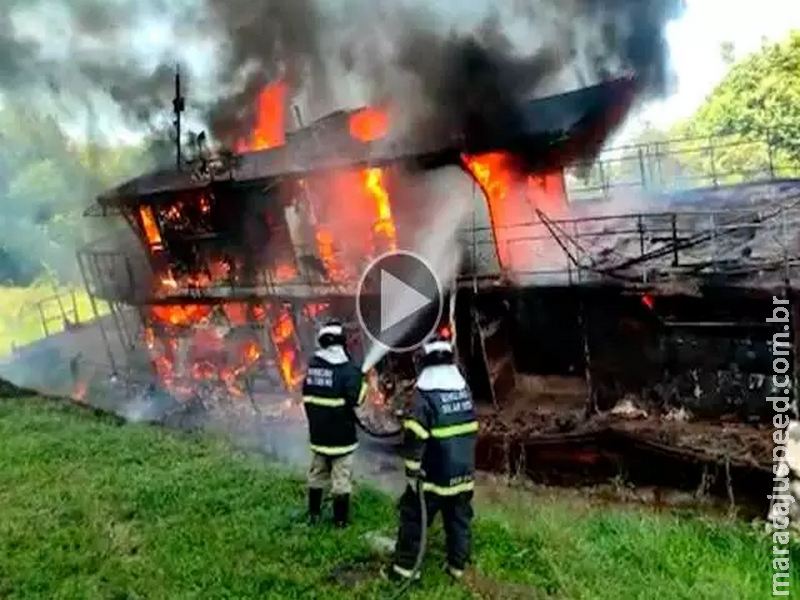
column 437, row 242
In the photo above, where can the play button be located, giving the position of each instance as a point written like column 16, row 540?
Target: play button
column 399, row 301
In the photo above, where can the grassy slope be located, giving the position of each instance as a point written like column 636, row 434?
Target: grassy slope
column 20, row 321
column 91, row 509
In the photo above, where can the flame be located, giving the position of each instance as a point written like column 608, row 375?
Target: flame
column 236, row 312
column 496, row 180
column 384, row 226
column 315, row 309
column 285, row 272
column 219, row 344
column 354, row 219
column 512, row 199
column 150, row 227
column 180, row 314
column 79, row 393
column 369, row 124
column 328, row 254
column 214, row 345
column 270, row 123
column 285, row 342
column 337, row 231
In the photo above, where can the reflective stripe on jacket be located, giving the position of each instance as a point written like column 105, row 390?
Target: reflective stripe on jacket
column 330, row 393
column 439, row 437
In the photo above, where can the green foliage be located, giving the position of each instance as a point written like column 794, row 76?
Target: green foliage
column 46, row 181
column 758, row 99
column 21, row 319
column 93, row 509
column 754, row 114
column 747, row 129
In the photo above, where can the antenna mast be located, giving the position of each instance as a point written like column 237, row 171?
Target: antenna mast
column 178, row 106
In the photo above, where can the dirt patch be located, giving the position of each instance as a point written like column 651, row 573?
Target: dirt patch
column 553, row 406
column 488, row 588
column 722, row 441
column 355, row 573
column 547, row 437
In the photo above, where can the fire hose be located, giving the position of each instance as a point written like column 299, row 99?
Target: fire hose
column 423, row 510
column 423, row 539
column 376, row 434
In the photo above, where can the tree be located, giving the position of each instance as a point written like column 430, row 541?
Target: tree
column 747, row 129
column 46, row 182
column 757, row 101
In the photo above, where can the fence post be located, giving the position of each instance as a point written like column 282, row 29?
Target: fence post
column 642, row 173
column 659, row 166
column 44, row 319
column 713, row 164
column 640, row 227
column 131, row 281
column 714, row 248
column 75, row 314
column 770, row 156
column 674, row 240
column 604, row 184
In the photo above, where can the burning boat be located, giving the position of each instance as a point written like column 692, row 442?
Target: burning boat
column 560, row 317
column 239, row 255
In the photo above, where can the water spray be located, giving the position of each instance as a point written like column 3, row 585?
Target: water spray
column 438, row 245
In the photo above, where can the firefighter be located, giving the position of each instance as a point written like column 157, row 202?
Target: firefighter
column 331, row 391
column 439, row 448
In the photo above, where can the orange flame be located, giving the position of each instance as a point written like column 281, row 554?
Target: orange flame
column 285, row 272
column 150, row 227
column 369, row 124
column 315, row 309
column 285, row 341
column 209, row 355
column 180, row 315
column 492, row 174
column 384, row 226
column 270, row 124
column 354, row 219
column 512, row 199
column 328, row 254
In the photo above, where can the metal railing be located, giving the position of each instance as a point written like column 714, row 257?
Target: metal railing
column 681, row 164
column 55, row 313
column 580, row 248
column 626, row 247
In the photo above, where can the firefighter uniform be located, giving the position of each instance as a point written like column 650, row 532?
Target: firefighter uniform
column 331, row 391
column 439, row 446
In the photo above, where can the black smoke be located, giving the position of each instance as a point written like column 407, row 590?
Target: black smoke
column 472, row 73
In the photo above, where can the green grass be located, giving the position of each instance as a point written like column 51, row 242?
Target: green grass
column 20, row 321
column 91, row 509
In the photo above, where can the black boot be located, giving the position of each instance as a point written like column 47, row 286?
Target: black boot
column 314, row 505
column 341, row 510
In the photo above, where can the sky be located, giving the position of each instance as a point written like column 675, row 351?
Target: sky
column 695, row 48
column 694, row 41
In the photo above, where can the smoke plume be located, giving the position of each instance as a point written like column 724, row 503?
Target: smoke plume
column 106, row 67
column 462, row 68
